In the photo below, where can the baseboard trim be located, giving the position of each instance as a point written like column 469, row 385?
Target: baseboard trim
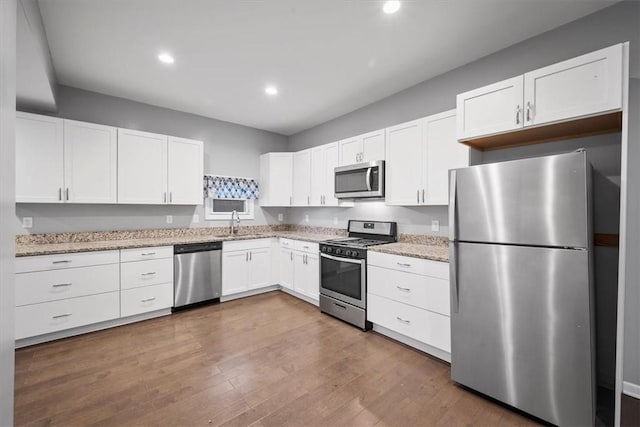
column 434, row 351
column 631, row 389
column 67, row 333
column 250, row 293
column 300, row 296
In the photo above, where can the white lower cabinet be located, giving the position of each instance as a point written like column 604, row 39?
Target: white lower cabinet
column 38, row 319
column 246, row 265
column 286, row 268
column 300, row 268
column 145, row 299
column 410, row 296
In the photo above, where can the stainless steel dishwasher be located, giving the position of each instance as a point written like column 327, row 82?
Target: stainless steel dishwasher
column 197, row 270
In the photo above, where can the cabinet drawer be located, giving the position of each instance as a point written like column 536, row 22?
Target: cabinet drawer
column 243, row 245
column 42, row 286
column 145, row 273
column 146, row 299
column 411, row 265
column 422, row 325
column 286, row 243
column 56, row 262
column 38, row 319
column 308, row 247
column 143, row 254
column 424, row 292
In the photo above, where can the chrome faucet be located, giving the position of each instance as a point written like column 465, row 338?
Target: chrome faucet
column 235, row 223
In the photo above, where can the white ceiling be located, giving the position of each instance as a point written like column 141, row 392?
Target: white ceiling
column 327, row 57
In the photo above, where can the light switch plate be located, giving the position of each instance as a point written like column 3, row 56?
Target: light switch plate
column 27, row 222
column 169, row 219
column 196, row 218
column 280, row 217
column 435, row 225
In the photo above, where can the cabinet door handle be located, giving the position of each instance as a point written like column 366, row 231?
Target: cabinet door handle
column 64, row 261
column 529, row 112
column 290, row 200
column 67, row 193
column 417, row 196
column 60, row 285
column 164, row 197
column 400, row 319
column 308, row 199
column 147, row 254
column 246, row 257
column 423, row 195
column 404, row 264
column 60, row 193
column 151, row 273
column 61, row 315
column 403, row 289
column 148, row 299
column 170, row 196
column 250, row 256
column 291, row 256
column 518, row 114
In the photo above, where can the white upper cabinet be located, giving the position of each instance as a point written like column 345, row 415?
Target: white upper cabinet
column 39, row 159
column 363, row 148
column 419, row 156
column 185, row 171
column 403, row 171
column 90, row 163
column 442, row 153
column 491, row 109
column 142, row 167
column 324, row 159
column 582, row 86
column 276, row 179
column 302, row 178
column 331, row 161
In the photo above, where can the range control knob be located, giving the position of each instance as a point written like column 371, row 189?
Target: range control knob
column 323, row 249
column 338, row 251
column 354, row 253
column 329, row 250
column 348, row 253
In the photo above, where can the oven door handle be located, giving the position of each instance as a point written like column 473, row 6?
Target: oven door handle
column 339, row 259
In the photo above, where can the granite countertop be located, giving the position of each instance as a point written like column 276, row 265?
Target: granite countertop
column 430, row 251
column 106, row 245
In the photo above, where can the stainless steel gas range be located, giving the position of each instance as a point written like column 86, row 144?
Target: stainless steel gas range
column 343, row 270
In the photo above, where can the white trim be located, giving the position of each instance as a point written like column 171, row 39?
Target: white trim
column 300, row 296
column 209, row 215
column 226, row 298
column 623, row 233
column 631, row 389
column 440, row 354
column 25, row 342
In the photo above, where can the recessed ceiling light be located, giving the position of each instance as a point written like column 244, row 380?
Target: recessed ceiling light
column 166, row 58
column 271, row 90
column 391, row 6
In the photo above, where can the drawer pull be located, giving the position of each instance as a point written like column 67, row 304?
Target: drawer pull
column 64, row 261
column 400, row 319
column 306, row 247
column 148, row 299
column 147, row 254
column 60, row 285
column 340, row 305
column 61, row 315
column 403, row 289
column 404, row 264
column 151, row 273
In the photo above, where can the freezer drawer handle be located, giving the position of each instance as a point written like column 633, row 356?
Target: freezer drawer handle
column 60, row 285
column 59, row 316
column 403, row 289
column 400, row 319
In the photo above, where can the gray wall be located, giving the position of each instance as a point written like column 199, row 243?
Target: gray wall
column 618, row 23
column 229, row 149
column 7, row 246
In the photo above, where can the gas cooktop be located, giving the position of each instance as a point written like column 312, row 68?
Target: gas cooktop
column 355, row 242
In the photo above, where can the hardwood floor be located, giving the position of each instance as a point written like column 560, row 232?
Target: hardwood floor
column 267, row 360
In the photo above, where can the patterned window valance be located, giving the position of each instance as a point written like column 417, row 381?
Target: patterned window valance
column 229, row 187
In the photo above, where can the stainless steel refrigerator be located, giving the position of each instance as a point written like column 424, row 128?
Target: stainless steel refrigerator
column 522, row 309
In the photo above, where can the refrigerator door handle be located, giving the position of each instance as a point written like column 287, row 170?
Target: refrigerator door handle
column 453, row 189
column 453, row 277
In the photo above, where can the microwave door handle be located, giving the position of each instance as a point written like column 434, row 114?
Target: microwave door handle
column 368, row 179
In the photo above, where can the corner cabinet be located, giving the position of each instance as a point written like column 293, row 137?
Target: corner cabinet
column 419, row 155
column 276, row 179
column 157, row 169
column 64, row 161
column 582, row 87
column 246, row 265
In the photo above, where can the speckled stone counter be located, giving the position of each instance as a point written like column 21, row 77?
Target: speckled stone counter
column 434, row 248
column 61, row 243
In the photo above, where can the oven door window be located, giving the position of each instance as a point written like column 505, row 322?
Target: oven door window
column 342, row 277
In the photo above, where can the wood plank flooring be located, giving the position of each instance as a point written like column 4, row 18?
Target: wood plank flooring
column 267, row 360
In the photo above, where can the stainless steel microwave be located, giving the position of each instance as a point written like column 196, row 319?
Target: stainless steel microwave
column 362, row 180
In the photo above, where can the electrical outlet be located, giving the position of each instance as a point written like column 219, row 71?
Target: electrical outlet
column 280, row 217
column 27, row 222
column 169, row 219
column 196, row 218
column 306, row 218
column 335, row 220
column 435, row 225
